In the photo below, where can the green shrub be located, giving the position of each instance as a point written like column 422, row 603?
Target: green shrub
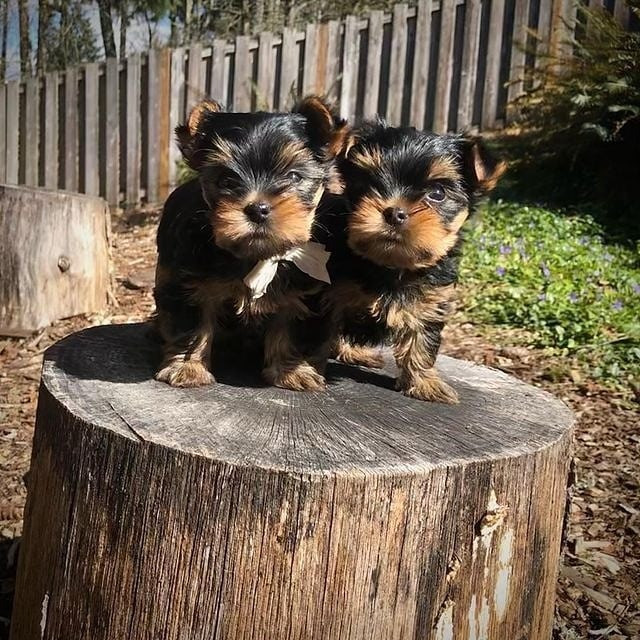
column 553, row 275
column 579, row 124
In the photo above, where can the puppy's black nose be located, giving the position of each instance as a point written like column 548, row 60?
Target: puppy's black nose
column 257, row 211
column 395, row 216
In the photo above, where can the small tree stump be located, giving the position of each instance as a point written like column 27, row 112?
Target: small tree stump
column 249, row 512
column 54, row 257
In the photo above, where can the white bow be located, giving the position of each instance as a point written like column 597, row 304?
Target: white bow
column 311, row 258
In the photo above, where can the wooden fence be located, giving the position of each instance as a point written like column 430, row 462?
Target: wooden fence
column 107, row 128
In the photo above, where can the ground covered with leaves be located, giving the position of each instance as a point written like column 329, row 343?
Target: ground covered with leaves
column 598, row 593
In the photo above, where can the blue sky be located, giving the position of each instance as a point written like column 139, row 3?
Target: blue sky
column 136, row 34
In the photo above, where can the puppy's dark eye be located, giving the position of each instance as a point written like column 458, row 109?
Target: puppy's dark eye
column 226, row 182
column 294, row 177
column 436, row 193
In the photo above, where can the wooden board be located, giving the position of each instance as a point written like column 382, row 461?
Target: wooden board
column 176, row 109
column 332, row 60
column 256, row 512
column 310, row 60
column 266, row 80
column 372, row 74
column 492, row 76
column 133, row 157
column 51, row 93
column 445, row 66
column 112, row 132
column 195, row 89
column 71, row 147
column 32, row 131
column 91, row 166
column 3, row 133
column 288, row 70
column 54, row 256
column 13, row 131
column 420, row 78
column 350, row 57
column 469, row 68
column 217, row 79
column 397, row 63
column 154, row 124
column 242, row 76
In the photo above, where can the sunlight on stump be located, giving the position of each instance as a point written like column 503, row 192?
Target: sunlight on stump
column 54, row 257
column 248, row 512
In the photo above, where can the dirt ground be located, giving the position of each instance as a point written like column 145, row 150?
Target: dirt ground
column 598, row 588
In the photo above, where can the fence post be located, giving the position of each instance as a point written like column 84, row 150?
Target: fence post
column 445, row 66
column 3, row 133
column 421, row 64
column 32, row 131
column 51, row 130
column 133, row 130
column 349, row 82
column 468, row 72
column 492, row 76
column 242, row 80
column 397, row 63
column 175, row 110
column 71, row 130
column 288, row 69
column 91, row 137
column 112, row 132
column 195, row 90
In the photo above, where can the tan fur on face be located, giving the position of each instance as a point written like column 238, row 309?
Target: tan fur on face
column 443, row 168
column 420, row 242
column 289, row 225
column 368, row 159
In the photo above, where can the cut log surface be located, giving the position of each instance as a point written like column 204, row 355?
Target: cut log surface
column 54, row 256
column 239, row 511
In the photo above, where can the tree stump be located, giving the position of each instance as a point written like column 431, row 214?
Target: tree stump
column 239, row 511
column 54, row 257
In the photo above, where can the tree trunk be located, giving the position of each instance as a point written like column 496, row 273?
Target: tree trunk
column 54, row 257
column 245, row 512
column 106, row 28
column 25, row 42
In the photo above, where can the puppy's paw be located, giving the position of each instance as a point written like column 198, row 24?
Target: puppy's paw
column 301, row 377
column 189, row 373
column 431, row 389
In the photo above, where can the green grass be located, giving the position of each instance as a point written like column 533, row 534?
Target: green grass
column 554, row 276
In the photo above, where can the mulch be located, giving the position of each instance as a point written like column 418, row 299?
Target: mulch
column 598, row 593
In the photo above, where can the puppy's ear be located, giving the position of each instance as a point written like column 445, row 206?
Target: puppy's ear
column 188, row 134
column 482, row 170
column 325, row 127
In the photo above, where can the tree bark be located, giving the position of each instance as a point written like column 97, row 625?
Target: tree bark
column 106, row 28
column 25, row 42
column 54, row 257
column 239, row 511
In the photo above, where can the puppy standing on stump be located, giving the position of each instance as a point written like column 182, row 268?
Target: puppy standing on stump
column 234, row 250
column 395, row 251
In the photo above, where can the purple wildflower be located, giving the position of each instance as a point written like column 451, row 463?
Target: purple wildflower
column 500, row 271
column 505, row 249
column 545, row 270
column 617, row 305
column 542, row 297
column 635, row 288
column 573, row 297
column 584, row 241
column 608, row 257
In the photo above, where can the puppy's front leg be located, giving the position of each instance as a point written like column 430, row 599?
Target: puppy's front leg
column 284, row 366
column 187, row 332
column 415, row 349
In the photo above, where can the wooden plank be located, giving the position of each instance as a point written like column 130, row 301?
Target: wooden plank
column 288, row 69
column 51, row 130
column 195, row 91
column 518, row 54
column 322, row 39
column 71, row 130
column 469, row 67
column 374, row 55
column 622, row 13
column 397, row 63
column 332, row 65
column 349, row 81
column 176, row 109
column 3, row 133
column 420, row 78
column 218, row 86
column 242, row 77
column 91, row 136
column 445, row 66
column 492, row 76
column 13, row 131
column 133, row 130
column 112, row 132
column 32, row 131
column 266, row 72
column 165, row 140
column 310, row 59
column 153, row 150
column 562, row 21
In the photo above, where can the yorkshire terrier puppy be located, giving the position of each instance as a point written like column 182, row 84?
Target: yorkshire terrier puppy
column 395, row 251
column 233, row 242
